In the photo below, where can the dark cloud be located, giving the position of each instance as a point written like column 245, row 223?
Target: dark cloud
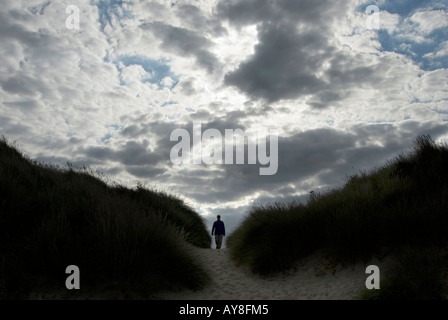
column 135, row 153
column 294, row 44
column 300, row 157
column 392, row 139
column 185, row 43
column 233, row 120
column 132, row 153
column 308, row 160
column 156, row 8
column 200, row 115
column 248, row 12
column 192, row 16
column 344, row 71
column 145, row 171
column 10, row 127
column 100, row 153
column 140, row 156
column 282, row 66
column 26, row 105
column 327, row 98
column 24, row 85
column 35, row 52
column 11, row 29
column 187, row 87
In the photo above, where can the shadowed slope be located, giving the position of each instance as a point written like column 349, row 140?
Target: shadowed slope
column 50, row 218
column 401, row 206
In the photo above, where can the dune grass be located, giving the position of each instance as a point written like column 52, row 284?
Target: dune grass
column 401, row 204
column 128, row 239
column 418, row 273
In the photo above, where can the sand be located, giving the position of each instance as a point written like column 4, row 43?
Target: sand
column 312, row 279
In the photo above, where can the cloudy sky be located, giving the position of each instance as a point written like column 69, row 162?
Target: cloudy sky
column 344, row 95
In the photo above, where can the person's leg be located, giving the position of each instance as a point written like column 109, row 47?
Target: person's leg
column 219, row 241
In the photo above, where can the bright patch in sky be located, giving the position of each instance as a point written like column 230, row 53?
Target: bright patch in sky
column 112, row 9
column 420, row 33
column 156, row 71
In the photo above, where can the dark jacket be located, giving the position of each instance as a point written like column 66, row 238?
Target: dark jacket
column 218, row 228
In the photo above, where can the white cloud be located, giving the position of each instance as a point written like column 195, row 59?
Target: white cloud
column 389, row 22
column 429, row 21
column 70, row 94
column 442, row 51
column 431, row 86
column 421, row 24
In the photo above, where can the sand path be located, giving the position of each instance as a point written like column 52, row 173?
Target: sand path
column 310, row 279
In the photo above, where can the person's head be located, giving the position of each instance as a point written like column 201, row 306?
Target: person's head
column 219, row 217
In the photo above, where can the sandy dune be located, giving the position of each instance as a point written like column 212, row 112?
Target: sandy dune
column 313, row 278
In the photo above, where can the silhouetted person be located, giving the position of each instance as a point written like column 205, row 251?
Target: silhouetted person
column 219, row 230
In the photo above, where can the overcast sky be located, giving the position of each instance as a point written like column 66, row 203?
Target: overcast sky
column 343, row 96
